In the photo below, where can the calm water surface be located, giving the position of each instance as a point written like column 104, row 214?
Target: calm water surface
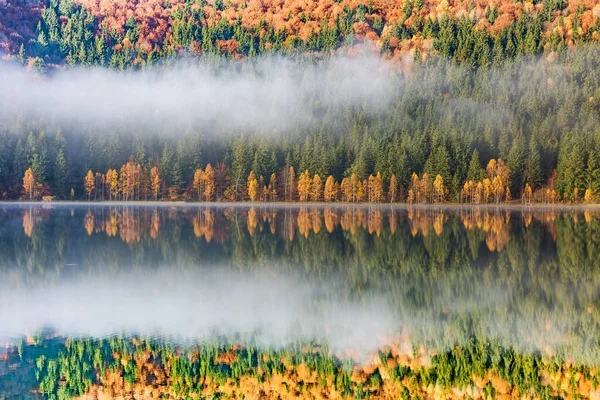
column 80, row 281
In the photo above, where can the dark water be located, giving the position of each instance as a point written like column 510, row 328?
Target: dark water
column 354, row 279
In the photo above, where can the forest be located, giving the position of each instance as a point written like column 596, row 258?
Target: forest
column 487, row 103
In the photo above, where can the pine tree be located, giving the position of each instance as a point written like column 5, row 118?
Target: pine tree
column 393, row 189
column 21, row 57
column 592, row 173
column 533, row 167
column 475, row 173
column 60, row 175
column 516, row 162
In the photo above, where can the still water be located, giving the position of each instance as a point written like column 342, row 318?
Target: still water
column 273, row 302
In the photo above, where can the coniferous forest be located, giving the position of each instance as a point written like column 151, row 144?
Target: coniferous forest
column 327, row 104
column 486, row 103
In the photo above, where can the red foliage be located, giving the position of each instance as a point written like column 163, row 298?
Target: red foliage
column 18, row 22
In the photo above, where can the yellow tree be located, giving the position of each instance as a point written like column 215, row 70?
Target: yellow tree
column 29, row 183
column 330, row 193
column 439, row 190
column 209, row 182
column 317, row 188
column 198, row 182
column 354, row 188
column 273, row 187
column 252, row 186
column 155, row 181
column 89, row 183
column 112, row 180
column 487, row 190
column 375, row 188
column 527, row 194
column 304, row 183
column 498, row 188
column 588, row 196
column 414, row 191
column 393, row 189
column 129, row 180
column 346, row 189
column 425, row 189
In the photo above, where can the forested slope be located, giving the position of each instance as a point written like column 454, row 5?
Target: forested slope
column 134, row 33
column 466, row 101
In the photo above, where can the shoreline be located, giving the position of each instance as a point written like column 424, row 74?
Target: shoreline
column 299, row 205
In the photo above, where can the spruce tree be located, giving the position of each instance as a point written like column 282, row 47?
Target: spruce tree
column 533, row 168
column 475, row 172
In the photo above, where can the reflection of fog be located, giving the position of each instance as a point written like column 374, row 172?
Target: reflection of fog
column 354, row 276
column 277, row 309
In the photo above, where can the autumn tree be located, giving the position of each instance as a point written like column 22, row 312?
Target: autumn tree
column 89, row 184
column 316, row 191
column 330, row 192
column 112, row 180
column 527, row 194
column 273, row 187
column 375, row 188
column 208, row 183
column 439, row 190
column 393, row 189
column 252, row 186
column 129, row 179
column 29, row 184
column 198, row 183
column 304, row 186
column 155, row 181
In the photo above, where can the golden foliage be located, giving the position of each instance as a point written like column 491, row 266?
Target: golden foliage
column 304, row 186
column 29, row 184
column 331, row 189
column 89, row 183
column 316, row 190
column 252, row 186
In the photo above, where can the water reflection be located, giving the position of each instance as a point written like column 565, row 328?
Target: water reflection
column 359, row 279
column 132, row 223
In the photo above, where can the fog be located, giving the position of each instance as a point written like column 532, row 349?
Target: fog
column 270, row 94
column 196, row 306
column 273, row 309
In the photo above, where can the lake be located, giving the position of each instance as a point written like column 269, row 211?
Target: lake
column 177, row 301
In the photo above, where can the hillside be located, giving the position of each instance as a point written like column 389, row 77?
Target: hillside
column 124, row 33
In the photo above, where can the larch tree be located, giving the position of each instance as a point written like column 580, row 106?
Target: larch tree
column 112, row 180
column 89, row 184
column 304, row 183
column 252, row 186
column 393, row 189
column 208, row 183
column 439, row 190
column 273, row 187
column 155, row 181
column 330, row 192
column 198, row 183
column 316, row 189
column 29, row 183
